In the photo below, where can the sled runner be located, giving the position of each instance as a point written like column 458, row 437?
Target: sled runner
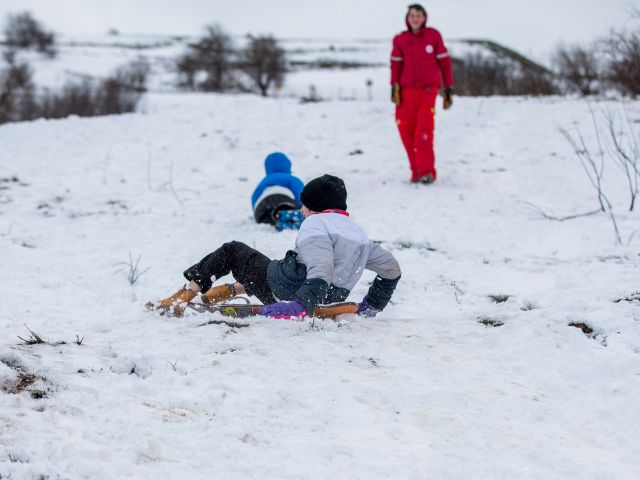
column 239, row 310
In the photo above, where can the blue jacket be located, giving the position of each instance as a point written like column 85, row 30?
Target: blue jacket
column 278, row 168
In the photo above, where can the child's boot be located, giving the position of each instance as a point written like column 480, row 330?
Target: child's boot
column 218, row 294
column 176, row 303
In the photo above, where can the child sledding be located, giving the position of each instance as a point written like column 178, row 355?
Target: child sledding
column 276, row 199
column 330, row 256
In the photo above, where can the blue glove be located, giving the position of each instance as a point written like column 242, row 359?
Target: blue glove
column 286, row 310
column 289, row 219
column 365, row 309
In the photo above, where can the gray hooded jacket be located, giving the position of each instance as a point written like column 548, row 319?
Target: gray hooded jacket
column 331, row 254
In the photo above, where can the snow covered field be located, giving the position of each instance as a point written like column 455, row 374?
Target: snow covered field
column 444, row 384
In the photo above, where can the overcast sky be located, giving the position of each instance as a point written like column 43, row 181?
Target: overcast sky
column 531, row 26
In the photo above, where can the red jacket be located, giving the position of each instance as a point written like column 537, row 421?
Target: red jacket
column 420, row 59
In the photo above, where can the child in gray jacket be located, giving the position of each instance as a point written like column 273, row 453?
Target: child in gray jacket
column 331, row 254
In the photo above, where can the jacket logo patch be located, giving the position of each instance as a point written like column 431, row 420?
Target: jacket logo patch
column 429, row 48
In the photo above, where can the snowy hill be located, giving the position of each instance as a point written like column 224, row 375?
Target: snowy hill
column 338, row 69
column 445, row 384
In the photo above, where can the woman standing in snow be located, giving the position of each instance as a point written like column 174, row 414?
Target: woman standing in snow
column 420, row 64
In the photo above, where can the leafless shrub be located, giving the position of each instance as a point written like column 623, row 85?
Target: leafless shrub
column 489, row 321
column 17, row 91
column 87, row 99
column 33, row 338
column 624, row 149
column 174, row 365
column 23, row 31
column 132, row 268
column 72, row 99
column 114, row 97
column 482, row 75
column 210, row 58
column 188, row 67
column 632, row 298
column 532, row 82
column 623, row 48
column 20, row 101
column 479, row 76
column 593, row 164
column 134, row 75
column 264, row 61
column 594, row 170
column 615, row 144
column 117, row 94
column 579, row 66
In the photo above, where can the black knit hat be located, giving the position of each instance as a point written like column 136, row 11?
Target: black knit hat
column 323, row 193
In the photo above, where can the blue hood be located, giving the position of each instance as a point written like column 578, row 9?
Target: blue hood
column 277, row 162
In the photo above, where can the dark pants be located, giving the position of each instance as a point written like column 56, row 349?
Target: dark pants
column 247, row 265
column 266, row 210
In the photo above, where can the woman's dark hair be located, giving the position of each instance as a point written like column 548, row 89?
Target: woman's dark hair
column 418, row 7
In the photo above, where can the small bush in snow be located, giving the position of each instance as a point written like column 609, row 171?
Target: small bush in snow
column 134, row 75
column 22, row 31
column 117, row 94
column 623, row 68
column 264, row 62
column 132, row 267
column 17, row 91
column 481, row 75
column 579, row 66
column 208, row 63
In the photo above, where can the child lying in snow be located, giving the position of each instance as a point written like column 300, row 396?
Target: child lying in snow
column 276, row 199
column 331, row 254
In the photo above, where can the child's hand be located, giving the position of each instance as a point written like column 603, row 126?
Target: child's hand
column 365, row 309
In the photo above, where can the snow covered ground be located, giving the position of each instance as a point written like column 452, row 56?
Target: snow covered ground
column 444, row 384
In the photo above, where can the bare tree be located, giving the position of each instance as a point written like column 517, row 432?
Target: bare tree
column 212, row 56
column 134, row 75
column 23, row 31
column 624, row 63
column 264, row 62
column 16, row 90
column 188, row 66
column 579, row 66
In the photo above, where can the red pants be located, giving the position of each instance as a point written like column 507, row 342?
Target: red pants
column 415, row 117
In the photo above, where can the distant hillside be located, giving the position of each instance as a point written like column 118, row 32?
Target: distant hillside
column 506, row 52
column 484, row 67
column 336, row 67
